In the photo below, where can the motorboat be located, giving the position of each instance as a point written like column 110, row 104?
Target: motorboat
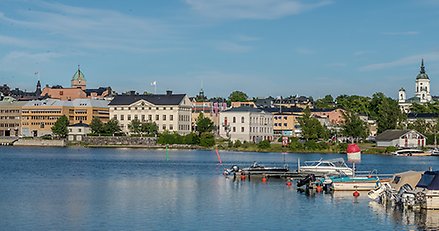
column 429, row 186
column 434, row 152
column 411, row 152
column 351, row 183
column 403, row 180
column 255, row 169
column 326, row 167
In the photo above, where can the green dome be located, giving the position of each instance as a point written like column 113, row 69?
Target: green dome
column 78, row 75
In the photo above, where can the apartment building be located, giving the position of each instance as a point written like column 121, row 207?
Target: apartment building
column 10, row 118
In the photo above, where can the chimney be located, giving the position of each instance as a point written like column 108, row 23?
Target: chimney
column 168, row 92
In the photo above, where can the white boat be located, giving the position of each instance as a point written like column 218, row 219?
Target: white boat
column 326, row 167
column 434, row 152
column 429, row 186
column 411, row 152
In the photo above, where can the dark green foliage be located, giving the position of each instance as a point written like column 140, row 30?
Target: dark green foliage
column 390, row 149
column 237, row 144
column 354, row 103
column 135, row 126
column 311, row 127
column 325, row 103
column 354, row 127
column 295, row 145
column 191, row 138
column 60, row 127
column 238, row 96
column 385, row 111
column 207, row 139
column 111, row 127
column 204, row 124
column 265, row 144
column 150, row 128
column 96, row 126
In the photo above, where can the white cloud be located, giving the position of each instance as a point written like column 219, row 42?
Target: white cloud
column 90, row 28
column 253, row 9
column 233, row 47
column 409, row 60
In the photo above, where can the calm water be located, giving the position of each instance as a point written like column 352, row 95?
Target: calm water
column 133, row 189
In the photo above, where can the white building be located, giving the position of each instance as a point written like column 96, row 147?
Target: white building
column 171, row 112
column 422, row 91
column 400, row 138
column 246, row 124
column 78, row 131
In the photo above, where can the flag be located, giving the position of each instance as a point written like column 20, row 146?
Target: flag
column 36, row 73
column 154, row 83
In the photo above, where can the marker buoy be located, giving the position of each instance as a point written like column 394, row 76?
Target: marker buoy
column 356, row 194
column 319, row 188
column 289, row 183
column 242, row 177
column 264, row 179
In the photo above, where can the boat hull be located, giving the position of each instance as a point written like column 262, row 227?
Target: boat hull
column 431, row 200
column 354, row 186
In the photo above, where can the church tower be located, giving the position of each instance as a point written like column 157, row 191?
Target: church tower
column 402, row 95
column 78, row 80
column 423, row 85
column 38, row 89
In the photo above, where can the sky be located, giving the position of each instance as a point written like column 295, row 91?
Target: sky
column 261, row 47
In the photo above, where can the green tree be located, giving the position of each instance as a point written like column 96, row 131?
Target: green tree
column 96, row 126
column 238, row 96
column 204, row 124
column 325, row 103
column 207, row 139
column 311, row 127
column 191, row 138
column 421, row 126
column 111, row 127
column 60, row 127
column 265, row 144
column 385, row 111
column 149, row 128
column 354, row 103
column 135, row 126
column 354, row 127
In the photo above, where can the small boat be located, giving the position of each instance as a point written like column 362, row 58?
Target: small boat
column 255, row 169
column 406, row 180
column 326, row 167
column 429, row 186
column 434, row 152
column 411, row 152
column 351, row 183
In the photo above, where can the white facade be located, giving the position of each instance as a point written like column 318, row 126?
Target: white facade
column 422, row 91
column 78, row 132
column 168, row 117
column 246, row 124
column 401, row 139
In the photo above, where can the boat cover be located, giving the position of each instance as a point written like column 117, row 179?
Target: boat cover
column 429, row 180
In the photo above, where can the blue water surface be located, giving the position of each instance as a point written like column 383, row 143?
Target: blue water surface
column 137, row 189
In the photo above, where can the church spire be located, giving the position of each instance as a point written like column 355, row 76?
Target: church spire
column 422, row 67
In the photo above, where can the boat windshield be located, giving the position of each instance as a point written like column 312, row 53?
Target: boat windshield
column 326, row 163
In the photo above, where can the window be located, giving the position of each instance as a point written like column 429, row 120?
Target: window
column 121, row 117
column 171, row 127
column 129, row 117
column 143, row 118
column 115, row 117
column 170, row 108
column 171, row 117
column 150, row 117
column 234, row 129
column 164, row 126
column 242, row 129
column 234, row 119
column 79, row 130
column 157, row 117
column 164, row 108
column 242, row 119
column 129, row 108
column 136, row 117
column 164, row 117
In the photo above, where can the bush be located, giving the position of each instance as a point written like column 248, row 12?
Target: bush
column 295, row 145
column 391, row 149
column 265, row 144
column 207, row 139
column 237, row 144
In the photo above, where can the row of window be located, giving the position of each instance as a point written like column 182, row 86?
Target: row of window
column 40, row 117
column 12, row 125
column 280, row 124
column 9, row 117
column 142, row 118
column 280, row 117
column 140, row 108
column 42, row 111
column 255, row 129
column 10, row 111
column 262, row 120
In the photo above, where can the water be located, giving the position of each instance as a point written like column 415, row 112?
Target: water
column 134, row 189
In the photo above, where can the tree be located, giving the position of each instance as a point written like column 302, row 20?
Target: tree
column 135, row 126
column 421, row 126
column 149, row 128
column 60, row 127
column 204, row 124
column 238, row 96
column 354, row 127
column 354, row 103
column 111, row 127
column 385, row 111
column 325, row 103
column 207, row 139
column 265, row 144
column 311, row 127
column 96, row 126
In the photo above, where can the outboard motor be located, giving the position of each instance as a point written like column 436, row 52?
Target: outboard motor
column 309, row 178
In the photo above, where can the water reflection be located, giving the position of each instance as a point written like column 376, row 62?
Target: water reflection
column 416, row 219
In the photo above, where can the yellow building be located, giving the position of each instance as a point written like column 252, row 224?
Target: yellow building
column 38, row 116
column 10, row 118
column 286, row 124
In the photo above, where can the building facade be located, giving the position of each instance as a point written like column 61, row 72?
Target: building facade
column 10, row 118
column 246, row 124
column 422, row 91
column 171, row 112
column 401, row 139
column 38, row 116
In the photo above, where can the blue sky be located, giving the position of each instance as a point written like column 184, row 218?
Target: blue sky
column 262, row 47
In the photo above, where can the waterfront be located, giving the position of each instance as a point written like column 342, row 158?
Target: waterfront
column 136, row 189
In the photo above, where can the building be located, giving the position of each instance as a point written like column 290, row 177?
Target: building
column 10, row 118
column 286, row 124
column 246, row 124
column 422, row 91
column 38, row 116
column 334, row 116
column 171, row 112
column 210, row 110
column 243, row 104
column 78, row 131
column 78, row 90
column 400, row 138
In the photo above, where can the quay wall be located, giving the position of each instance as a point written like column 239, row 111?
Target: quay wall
column 119, row 140
column 40, row 142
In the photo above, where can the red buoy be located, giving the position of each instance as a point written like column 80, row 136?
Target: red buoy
column 356, row 194
column 319, row 188
column 242, row 177
column 289, row 183
column 264, row 179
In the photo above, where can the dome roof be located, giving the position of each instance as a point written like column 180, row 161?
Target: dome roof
column 78, row 75
column 422, row 74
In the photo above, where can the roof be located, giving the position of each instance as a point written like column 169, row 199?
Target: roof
column 78, row 75
column 283, row 110
column 413, row 115
column 422, row 74
column 12, row 103
column 74, row 103
column 389, row 135
column 166, row 99
column 99, row 90
column 244, row 109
